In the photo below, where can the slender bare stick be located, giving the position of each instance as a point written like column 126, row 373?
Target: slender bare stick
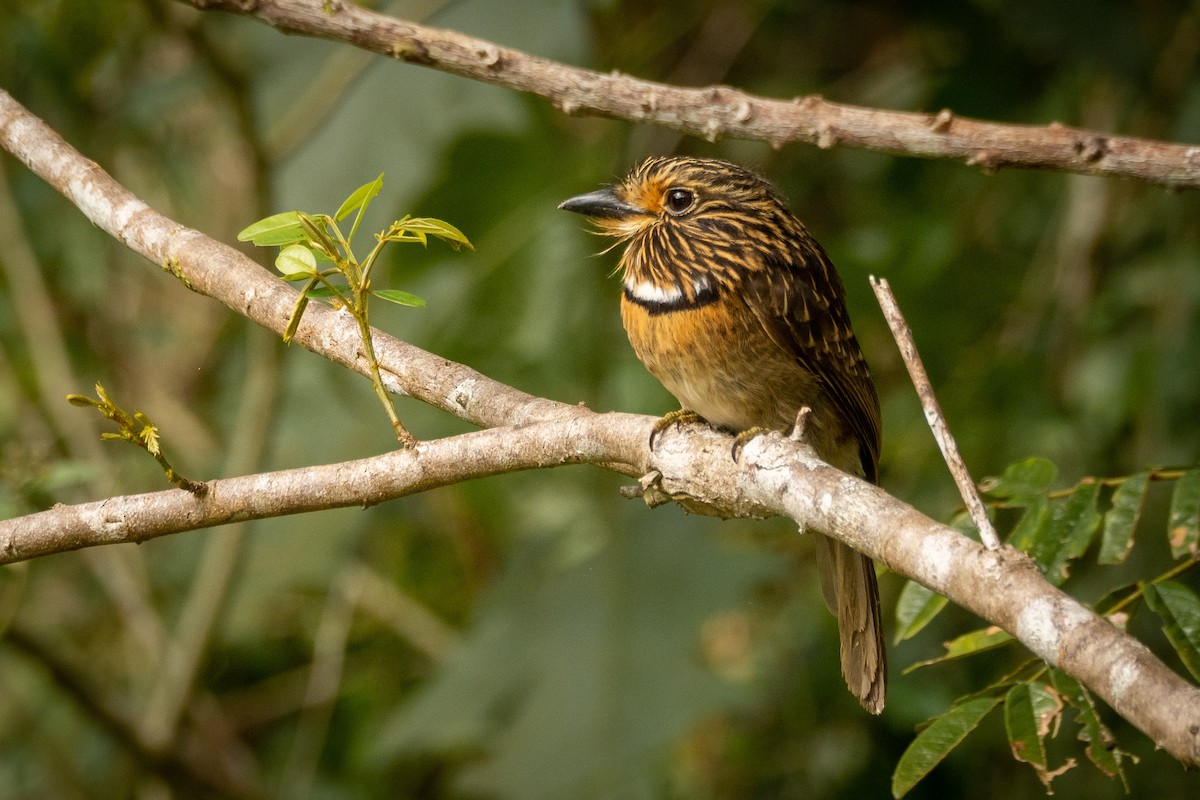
column 716, row 112
column 933, row 412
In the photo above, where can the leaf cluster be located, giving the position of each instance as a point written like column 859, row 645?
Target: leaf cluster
column 1057, row 528
column 313, row 251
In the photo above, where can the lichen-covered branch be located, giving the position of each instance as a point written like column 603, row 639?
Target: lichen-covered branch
column 720, row 111
column 586, row 437
column 226, row 275
column 773, row 476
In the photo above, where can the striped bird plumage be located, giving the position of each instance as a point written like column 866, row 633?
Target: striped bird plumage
column 731, row 303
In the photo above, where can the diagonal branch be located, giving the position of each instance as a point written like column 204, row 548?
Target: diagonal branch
column 774, row 475
column 228, row 276
column 720, row 111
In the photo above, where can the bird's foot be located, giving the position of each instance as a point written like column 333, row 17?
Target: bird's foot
column 798, row 434
column 678, row 417
column 799, row 430
column 742, row 439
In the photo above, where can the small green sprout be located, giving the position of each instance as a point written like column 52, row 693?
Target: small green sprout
column 313, row 251
column 136, row 429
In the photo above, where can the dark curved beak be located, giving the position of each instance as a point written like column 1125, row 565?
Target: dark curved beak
column 600, row 204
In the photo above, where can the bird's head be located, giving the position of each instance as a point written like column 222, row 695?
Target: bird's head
column 687, row 195
column 691, row 223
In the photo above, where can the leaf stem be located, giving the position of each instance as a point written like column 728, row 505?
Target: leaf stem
column 359, row 310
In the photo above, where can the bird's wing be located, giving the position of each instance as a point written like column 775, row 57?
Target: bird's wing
column 798, row 301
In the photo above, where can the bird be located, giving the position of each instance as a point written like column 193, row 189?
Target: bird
column 730, row 302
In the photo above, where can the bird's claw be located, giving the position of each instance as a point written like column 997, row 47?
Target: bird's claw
column 742, row 439
column 678, row 417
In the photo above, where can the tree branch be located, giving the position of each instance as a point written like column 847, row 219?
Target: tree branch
column 773, row 476
column 586, row 437
column 226, row 275
column 720, row 111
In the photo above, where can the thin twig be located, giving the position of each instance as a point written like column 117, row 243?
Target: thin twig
column 933, row 412
column 717, row 112
column 121, row 572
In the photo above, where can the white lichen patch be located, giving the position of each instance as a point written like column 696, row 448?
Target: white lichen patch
column 1122, row 675
column 461, row 394
column 937, row 557
column 1044, row 622
column 101, row 521
column 94, row 204
column 1036, row 628
column 391, row 382
column 124, row 213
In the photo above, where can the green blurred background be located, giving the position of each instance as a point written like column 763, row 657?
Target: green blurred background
column 536, row 636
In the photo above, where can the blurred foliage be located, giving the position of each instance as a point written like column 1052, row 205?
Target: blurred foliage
column 535, row 635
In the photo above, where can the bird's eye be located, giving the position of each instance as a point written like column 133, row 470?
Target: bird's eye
column 679, row 201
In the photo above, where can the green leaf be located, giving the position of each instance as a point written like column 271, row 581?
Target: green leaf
column 1022, row 480
column 1183, row 526
column 933, row 744
column 915, row 608
column 275, row 230
column 1101, row 745
column 408, row 236
column 323, row 293
column 360, row 198
column 418, row 228
column 316, row 230
column 1055, row 534
column 1179, row 609
column 1121, row 520
column 296, row 261
column 1072, row 528
column 968, row 644
column 82, row 401
column 1030, row 709
column 399, row 297
column 1032, row 525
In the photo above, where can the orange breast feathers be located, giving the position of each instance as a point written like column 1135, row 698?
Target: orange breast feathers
column 716, row 365
column 702, row 335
